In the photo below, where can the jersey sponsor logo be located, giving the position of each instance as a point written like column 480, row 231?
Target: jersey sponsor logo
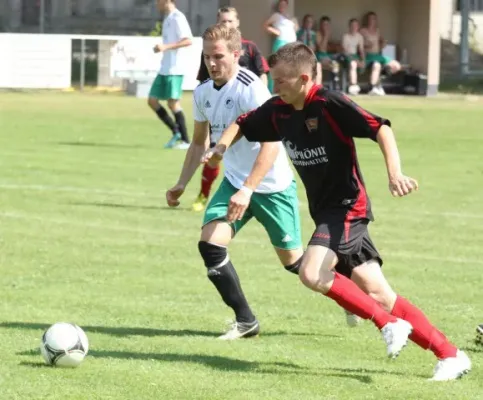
column 229, row 103
column 306, row 157
column 312, row 124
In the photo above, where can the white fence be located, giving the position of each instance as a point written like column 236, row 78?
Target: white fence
column 35, row 61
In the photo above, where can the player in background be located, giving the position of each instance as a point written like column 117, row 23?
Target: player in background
column 317, row 127
column 267, row 194
column 251, row 58
column 169, row 81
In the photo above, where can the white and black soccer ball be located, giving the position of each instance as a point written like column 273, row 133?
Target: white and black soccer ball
column 64, row 345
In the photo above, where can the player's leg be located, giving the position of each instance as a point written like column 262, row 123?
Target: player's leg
column 215, row 237
column 369, row 277
column 279, row 215
column 208, row 177
column 317, row 272
column 156, row 94
column 174, row 93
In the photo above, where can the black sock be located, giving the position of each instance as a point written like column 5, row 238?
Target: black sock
column 163, row 116
column 295, row 267
column 180, row 120
column 228, row 285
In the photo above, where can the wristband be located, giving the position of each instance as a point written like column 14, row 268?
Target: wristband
column 247, row 190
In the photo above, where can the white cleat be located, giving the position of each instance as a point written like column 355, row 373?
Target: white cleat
column 182, row 146
column 240, row 330
column 352, row 319
column 396, row 335
column 452, row 368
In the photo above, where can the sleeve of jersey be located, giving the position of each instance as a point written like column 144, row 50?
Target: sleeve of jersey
column 258, row 61
column 350, row 120
column 259, row 125
column 183, row 28
column 198, row 113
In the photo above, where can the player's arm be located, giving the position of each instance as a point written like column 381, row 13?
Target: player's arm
column 198, row 146
column 351, row 120
column 240, row 201
column 268, row 26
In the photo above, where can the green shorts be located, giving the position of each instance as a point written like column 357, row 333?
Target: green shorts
column 323, row 55
column 376, row 57
column 167, row 87
column 277, row 212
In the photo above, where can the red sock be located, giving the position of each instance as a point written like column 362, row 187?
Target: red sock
column 424, row 334
column 348, row 295
column 208, row 176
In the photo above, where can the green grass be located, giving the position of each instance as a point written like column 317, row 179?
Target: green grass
column 85, row 236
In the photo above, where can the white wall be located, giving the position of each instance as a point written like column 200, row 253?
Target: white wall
column 35, row 61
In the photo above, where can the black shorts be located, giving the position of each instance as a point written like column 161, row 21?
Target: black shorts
column 350, row 240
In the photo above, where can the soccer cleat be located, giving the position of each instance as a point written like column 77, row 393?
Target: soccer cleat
column 200, row 203
column 172, row 142
column 240, row 330
column 182, row 146
column 479, row 334
column 452, row 368
column 352, row 319
column 395, row 335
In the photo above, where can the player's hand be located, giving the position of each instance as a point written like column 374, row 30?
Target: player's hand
column 401, row 185
column 159, row 48
column 173, row 195
column 214, row 155
column 239, row 203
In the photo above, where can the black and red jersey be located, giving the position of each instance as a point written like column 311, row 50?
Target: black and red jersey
column 251, row 58
column 319, row 141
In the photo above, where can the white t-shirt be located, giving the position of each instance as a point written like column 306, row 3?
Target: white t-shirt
column 286, row 27
column 221, row 107
column 175, row 28
column 351, row 43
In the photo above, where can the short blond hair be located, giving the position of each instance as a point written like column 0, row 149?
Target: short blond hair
column 231, row 36
column 224, row 10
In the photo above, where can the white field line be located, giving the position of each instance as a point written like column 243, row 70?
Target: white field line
column 75, row 189
column 410, row 255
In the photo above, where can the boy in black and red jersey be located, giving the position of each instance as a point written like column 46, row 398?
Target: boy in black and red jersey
column 317, row 127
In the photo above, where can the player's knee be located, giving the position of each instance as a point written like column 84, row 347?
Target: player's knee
column 153, row 103
column 174, row 105
column 213, row 255
column 315, row 278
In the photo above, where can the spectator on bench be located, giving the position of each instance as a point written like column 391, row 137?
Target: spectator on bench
column 307, row 36
column 353, row 47
column 327, row 49
column 373, row 45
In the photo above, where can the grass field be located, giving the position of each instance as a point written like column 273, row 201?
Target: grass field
column 85, row 236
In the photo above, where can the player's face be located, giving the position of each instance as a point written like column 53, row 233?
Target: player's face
column 354, row 27
column 219, row 60
column 229, row 19
column 162, row 5
column 289, row 85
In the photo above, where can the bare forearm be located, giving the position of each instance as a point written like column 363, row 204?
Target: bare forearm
column 177, row 45
column 191, row 162
column 265, row 159
column 230, row 135
column 272, row 31
column 388, row 145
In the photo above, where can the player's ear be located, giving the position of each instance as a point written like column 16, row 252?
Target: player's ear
column 304, row 78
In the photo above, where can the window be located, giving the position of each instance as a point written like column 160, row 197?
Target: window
column 475, row 5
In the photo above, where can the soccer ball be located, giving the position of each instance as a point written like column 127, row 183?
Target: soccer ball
column 64, row 345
